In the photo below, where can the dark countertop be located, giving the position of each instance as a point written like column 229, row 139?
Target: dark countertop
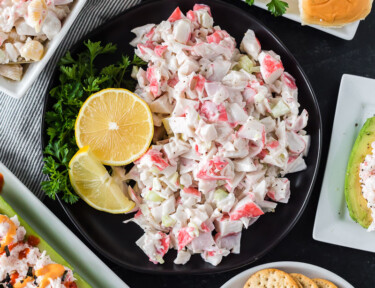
column 325, row 59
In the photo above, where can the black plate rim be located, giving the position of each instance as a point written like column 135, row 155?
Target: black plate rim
column 217, row 269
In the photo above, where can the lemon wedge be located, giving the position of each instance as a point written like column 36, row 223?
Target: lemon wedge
column 95, row 186
column 116, row 124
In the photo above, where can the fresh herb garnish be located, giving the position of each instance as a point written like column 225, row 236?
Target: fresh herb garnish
column 7, row 252
column 276, row 7
column 64, row 276
column 6, row 279
column 79, row 78
column 30, row 272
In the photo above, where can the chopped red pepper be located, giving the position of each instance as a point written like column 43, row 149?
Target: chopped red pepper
column 33, row 240
column 71, row 285
column 14, row 277
column 23, row 253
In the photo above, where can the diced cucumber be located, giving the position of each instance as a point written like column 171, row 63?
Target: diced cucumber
column 174, row 178
column 167, row 221
column 244, row 63
column 159, row 259
column 220, row 194
column 280, row 109
column 255, row 69
column 196, row 228
column 167, row 127
column 154, row 197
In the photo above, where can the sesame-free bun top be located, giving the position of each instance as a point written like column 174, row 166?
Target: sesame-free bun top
column 334, row 13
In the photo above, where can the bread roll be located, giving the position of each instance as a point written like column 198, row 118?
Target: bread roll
column 333, row 13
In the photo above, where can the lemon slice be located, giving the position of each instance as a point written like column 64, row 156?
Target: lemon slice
column 116, row 124
column 95, row 186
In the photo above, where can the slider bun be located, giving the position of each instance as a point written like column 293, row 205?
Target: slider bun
column 333, row 13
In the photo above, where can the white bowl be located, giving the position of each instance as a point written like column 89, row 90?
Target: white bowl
column 309, row 270
column 17, row 89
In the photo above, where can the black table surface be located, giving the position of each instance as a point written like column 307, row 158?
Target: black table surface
column 325, row 59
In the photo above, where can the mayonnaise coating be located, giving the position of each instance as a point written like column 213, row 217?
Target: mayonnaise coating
column 228, row 130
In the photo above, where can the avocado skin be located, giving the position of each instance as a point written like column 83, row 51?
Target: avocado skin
column 357, row 204
column 5, row 209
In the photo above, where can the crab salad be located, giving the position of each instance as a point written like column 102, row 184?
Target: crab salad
column 227, row 131
column 22, row 264
column 25, row 28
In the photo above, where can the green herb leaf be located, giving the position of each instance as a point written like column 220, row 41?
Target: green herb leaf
column 67, row 59
column 277, row 7
column 79, row 78
column 250, row 2
column 138, row 61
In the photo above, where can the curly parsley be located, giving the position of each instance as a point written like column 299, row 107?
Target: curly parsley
column 276, row 7
column 79, row 78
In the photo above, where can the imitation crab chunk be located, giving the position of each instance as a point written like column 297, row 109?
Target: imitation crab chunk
column 250, row 44
column 271, row 66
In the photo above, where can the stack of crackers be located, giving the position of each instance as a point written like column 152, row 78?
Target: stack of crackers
column 274, row 278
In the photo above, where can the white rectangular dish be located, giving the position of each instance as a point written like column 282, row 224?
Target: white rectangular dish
column 356, row 103
column 17, row 89
column 347, row 32
column 51, row 229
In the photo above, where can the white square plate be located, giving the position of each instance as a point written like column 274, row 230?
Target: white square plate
column 356, row 103
column 52, row 230
column 17, row 89
column 347, row 32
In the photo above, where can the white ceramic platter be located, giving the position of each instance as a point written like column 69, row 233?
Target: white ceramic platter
column 309, row 270
column 356, row 103
column 347, row 32
column 17, row 89
column 56, row 234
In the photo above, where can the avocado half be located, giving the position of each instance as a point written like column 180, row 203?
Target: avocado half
column 5, row 209
column 357, row 204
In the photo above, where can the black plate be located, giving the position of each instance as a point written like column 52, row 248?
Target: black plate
column 115, row 240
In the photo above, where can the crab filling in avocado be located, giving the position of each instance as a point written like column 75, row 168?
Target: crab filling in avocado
column 23, row 265
column 367, row 179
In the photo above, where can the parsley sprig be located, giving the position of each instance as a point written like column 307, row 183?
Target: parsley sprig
column 276, row 7
column 79, row 78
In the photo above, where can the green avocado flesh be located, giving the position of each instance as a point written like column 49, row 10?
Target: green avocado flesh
column 5, row 209
column 357, row 204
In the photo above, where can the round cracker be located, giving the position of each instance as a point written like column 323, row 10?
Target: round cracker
column 322, row 283
column 271, row 278
column 305, row 281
